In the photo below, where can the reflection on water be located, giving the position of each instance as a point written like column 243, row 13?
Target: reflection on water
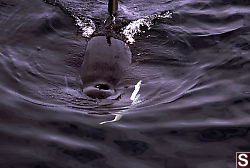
column 192, row 108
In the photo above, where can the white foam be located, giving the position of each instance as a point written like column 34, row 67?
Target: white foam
column 135, row 26
column 86, row 25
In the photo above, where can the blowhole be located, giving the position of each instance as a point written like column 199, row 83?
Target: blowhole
column 102, row 87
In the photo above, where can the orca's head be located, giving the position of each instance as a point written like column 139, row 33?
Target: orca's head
column 104, row 63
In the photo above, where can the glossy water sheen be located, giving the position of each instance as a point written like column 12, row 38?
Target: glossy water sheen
column 194, row 104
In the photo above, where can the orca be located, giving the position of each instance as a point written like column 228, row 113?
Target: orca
column 104, row 64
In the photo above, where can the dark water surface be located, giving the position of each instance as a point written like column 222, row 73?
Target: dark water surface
column 194, row 105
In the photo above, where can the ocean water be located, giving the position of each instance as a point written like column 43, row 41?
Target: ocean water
column 192, row 109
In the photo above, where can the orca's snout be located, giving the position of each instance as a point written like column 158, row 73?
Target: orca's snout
column 99, row 91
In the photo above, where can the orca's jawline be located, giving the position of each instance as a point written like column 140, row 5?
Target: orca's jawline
column 100, row 91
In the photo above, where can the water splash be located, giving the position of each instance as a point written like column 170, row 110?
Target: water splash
column 134, row 27
column 87, row 26
column 137, row 89
column 117, row 118
column 135, row 100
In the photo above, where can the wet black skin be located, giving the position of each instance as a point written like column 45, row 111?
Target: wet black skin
column 103, row 66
